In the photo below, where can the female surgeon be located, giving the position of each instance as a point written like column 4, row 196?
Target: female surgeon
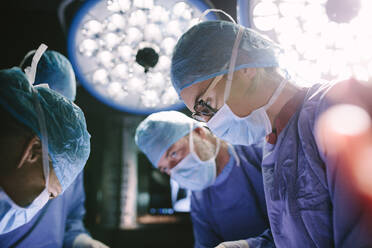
column 229, row 76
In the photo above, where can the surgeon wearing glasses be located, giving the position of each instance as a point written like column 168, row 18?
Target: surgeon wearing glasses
column 229, row 76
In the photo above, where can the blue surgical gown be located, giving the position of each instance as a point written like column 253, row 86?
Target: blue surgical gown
column 56, row 225
column 233, row 208
column 310, row 204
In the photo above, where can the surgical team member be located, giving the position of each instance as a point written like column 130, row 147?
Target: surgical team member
column 227, row 202
column 66, row 211
column 31, row 117
column 59, row 222
column 228, row 75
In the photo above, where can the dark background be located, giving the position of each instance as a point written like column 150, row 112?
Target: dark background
column 25, row 24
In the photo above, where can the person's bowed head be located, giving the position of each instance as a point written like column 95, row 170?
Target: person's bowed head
column 230, row 83
column 180, row 147
column 26, row 185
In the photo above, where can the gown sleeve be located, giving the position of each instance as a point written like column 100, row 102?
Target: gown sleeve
column 350, row 213
column 265, row 240
column 204, row 235
column 74, row 223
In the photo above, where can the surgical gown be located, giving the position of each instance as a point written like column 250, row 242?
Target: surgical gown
column 233, row 208
column 56, row 225
column 310, row 202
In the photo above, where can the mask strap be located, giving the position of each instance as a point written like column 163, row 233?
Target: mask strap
column 236, row 157
column 30, row 73
column 218, row 146
column 276, row 93
column 206, row 12
column 234, row 55
column 26, row 57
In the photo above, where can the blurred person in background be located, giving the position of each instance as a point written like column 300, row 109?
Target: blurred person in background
column 227, row 202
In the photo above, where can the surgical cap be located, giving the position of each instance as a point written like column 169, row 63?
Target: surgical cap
column 204, row 52
column 68, row 138
column 55, row 70
column 161, row 130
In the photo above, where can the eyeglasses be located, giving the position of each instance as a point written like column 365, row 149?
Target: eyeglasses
column 201, row 107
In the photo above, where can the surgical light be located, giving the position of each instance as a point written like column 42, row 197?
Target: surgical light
column 322, row 39
column 121, row 50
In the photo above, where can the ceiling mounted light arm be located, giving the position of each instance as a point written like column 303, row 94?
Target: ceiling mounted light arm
column 242, row 13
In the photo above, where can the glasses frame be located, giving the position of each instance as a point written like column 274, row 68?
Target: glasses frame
column 201, row 107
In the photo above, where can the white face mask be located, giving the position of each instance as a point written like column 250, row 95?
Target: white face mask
column 13, row 216
column 237, row 130
column 194, row 174
column 248, row 130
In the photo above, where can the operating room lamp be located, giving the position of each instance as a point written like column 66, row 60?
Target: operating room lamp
column 121, row 50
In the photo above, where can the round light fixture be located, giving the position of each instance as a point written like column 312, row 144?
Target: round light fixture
column 121, row 50
column 322, row 39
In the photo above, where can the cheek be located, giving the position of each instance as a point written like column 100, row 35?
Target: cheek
column 204, row 149
column 33, row 186
column 218, row 94
column 188, row 98
column 37, row 181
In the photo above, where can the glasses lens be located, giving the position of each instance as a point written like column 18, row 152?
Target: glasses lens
column 203, row 108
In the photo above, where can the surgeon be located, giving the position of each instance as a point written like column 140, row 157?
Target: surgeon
column 60, row 222
column 229, row 76
column 227, row 203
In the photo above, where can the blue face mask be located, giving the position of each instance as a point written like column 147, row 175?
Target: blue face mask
column 194, row 174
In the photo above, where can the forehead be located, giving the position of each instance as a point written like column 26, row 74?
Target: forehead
column 190, row 94
column 178, row 144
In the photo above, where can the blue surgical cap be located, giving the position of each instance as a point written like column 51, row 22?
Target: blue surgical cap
column 159, row 131
column 204, row 52
column 68, row 138
column 55, row 70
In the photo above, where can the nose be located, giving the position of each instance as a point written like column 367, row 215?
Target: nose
column 53, row 193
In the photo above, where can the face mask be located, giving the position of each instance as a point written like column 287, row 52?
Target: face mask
column 248, row 130
column 194, row 174
column 13, row 216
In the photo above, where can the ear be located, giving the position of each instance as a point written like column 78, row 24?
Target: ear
column 249, row 73
column 32, row 152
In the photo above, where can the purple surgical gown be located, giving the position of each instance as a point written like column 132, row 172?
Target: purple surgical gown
column 233, row 208
column 309, row 202
column 56, row 225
